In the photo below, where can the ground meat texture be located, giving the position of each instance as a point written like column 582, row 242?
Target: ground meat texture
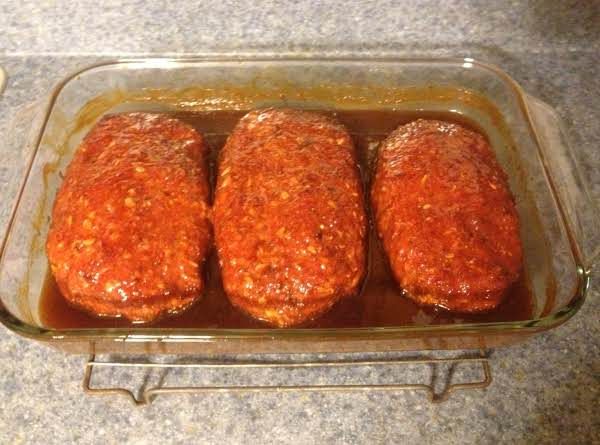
column 130, row 228
column 446, row 216
column 289, row 216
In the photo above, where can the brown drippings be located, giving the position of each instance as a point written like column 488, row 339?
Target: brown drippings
column 380, row 303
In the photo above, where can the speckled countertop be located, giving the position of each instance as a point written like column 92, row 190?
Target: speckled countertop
column 545, row 391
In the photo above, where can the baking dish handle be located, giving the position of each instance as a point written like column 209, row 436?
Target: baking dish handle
column 580, row 210
column 2, row 79
column 25, row 125
column 23, row 137
column 25, row 128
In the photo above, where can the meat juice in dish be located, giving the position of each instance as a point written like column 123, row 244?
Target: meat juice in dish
column 289, row 217
column 130, row 228
column 446, row 216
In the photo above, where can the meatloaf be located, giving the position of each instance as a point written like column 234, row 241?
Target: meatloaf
column 289, row 215
column 446, row 217
column 130, row 226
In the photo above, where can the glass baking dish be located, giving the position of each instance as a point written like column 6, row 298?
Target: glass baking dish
column 559, row 236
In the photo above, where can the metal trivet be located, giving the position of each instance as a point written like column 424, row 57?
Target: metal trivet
column 147, row 394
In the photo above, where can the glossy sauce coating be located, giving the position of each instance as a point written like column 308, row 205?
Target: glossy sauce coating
column 446, row 217
column 130, row 228
column 289, row 219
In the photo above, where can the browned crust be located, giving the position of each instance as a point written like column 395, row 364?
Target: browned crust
column 130, row 227
column 289, row 216
column 446, row 216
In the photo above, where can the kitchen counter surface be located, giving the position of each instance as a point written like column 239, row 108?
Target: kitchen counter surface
column 544, row 391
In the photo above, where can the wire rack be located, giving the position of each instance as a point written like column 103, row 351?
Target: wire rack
column 145, row 396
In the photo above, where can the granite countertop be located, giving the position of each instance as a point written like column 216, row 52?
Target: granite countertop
column 546, row 390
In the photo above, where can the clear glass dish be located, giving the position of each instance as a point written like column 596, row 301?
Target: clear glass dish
column 559, row 236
